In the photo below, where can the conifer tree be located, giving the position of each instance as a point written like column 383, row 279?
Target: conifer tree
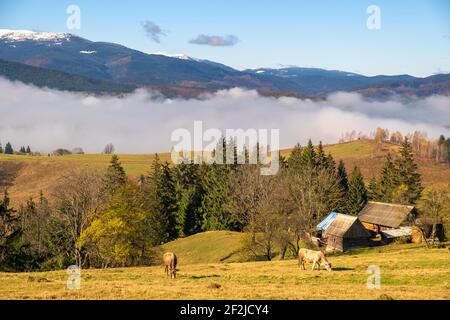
column 189, row 196
column 115, row 176
column 1, row 148
column 215, row 215
column 9, row 149
column 296, row 158
column 407, row 173
column 309, row 155
column 28, row 150
column 387, row 183
column 357, row 193
column 10, row 234
column 166, row 195
column 321, row 158
column 343, row 185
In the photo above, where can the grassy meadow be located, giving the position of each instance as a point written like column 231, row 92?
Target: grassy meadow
column 408, row 271
column 25, row 176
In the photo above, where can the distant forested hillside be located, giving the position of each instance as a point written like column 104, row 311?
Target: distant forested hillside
column 60, row 80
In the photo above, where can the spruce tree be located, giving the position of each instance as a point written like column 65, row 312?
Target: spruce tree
column 309, row 155
column 10, row 234
column 215, row 215
column 295, row 159
column 152, row 201
column 28, row 150
column 1, row 148
column 9, row 149
column 321, row 157
column 343, row 186
column 372, row 190
column 387, row 183
column 115, row 176
column 166, row 194
column 407, row 173
column 357, row 193
column 189, row 196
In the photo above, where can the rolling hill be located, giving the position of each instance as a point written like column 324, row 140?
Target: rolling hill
column 208, row 247
column 25, row 176
column 179, row 75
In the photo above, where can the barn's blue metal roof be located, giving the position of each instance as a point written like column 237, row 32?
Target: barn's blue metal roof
column 327, row 221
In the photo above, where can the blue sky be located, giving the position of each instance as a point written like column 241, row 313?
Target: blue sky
column 414, row 37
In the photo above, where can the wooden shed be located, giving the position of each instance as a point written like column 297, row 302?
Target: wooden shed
column 423, row 230
column 378, row 216
column 346, row 232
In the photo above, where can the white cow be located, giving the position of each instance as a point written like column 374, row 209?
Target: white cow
column 314, row 257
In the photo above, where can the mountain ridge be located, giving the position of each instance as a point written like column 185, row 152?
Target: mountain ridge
column 181, row 75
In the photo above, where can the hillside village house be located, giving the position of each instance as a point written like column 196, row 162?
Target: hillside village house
column 378, row 216
column 342, row 232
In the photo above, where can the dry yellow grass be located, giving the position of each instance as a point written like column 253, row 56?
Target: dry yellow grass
column 407, row 272
column 25, row 176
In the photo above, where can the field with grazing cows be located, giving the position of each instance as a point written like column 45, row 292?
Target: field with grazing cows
column 407, row 272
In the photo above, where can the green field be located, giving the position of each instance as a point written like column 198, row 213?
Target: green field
column 408, row 271
column 208, row 247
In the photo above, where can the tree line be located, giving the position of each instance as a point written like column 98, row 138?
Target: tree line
column 437, row 150
column 8, row 149
column 105, row 219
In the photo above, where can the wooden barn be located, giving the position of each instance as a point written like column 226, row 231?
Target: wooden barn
column 346, row 232
column 378, row 216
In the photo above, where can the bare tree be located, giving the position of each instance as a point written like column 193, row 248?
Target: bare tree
column 109, row 149
column 249, row 192
column 78, row 198
column 312, row 193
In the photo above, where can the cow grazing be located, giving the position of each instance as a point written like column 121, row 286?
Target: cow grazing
column 170, row 262
column 314, row 257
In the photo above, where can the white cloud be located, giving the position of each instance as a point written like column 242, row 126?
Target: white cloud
column 47, row 119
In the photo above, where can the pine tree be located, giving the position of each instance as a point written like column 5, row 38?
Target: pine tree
column 22, row 149
column 408, row 175
column 28, row 151
column 388, row 181
column 295, row 159
column 321, row 157
column 372, row 190
column 10, row 235
column 9, row 149
column 357, row 193
column 309, row 155
column 166, row 194
column 1, row 148
column 189, row 196
column 215, row 216
column 157, row 217
column 343, row 185
column 115, row 176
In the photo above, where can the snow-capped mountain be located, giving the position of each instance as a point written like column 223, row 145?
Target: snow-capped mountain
column 23, row 35
column 180, row 56
column 179, row 74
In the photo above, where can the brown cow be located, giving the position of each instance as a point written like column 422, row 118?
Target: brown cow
column 315, row 257
column 170, row 262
